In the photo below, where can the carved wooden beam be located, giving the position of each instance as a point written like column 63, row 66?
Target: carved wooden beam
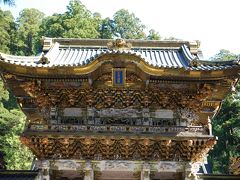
column 118, row 148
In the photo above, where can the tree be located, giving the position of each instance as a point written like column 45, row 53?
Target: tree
column 8, row 2
column 224, row 55
column 52, row 26
column 29, row 22
column 128, row 26
column 106, row 28
column 13, row 155
column 226, row 125
column 12, row 122
column 79, row 22
column 76, row 22
column 153, row 35
column 7, row 29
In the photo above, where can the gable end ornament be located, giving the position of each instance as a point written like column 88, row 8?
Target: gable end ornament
column 119, row 44
column 43, row 60
column 194, row 63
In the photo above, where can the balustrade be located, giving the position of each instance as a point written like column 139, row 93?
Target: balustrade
column 118, row 129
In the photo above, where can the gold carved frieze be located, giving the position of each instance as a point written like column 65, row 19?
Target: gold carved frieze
column 106, row 77
column 117, row 98
column 132, row 78
column 118, row 148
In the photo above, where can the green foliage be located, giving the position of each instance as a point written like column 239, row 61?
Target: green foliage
column 28, row 24
column 106, row 28
column 76, row 22
column 4, row 95
column 153, row 35
column 226, row 126
column 128, row 26
column 79, row 22
column 7, row 28
column 52, row 26
column 12, row 122
column 224, row 55
column 8, row 2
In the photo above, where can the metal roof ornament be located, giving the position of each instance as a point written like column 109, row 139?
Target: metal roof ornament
column 119, row 44
column 195, row 63
column 43, row 60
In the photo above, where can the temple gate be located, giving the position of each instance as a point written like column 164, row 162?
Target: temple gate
column 115, row 109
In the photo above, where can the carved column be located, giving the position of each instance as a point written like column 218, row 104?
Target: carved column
column 145, row 173
column 191, row 170
column 89, row 173
column 45, row 165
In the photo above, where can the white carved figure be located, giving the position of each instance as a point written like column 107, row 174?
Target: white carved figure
column 113, row 112
column 164, row 113
column 191, row 170
column 117, row 165
column 167, row 166
column 69, row 165
column 188, row 115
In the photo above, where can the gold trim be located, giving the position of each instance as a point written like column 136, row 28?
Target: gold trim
column 21, row 69
column 217, row 73
column 195, row 73
column 42, row 71
column 210, row 103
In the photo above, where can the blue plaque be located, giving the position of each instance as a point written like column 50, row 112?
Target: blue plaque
column 119, row 77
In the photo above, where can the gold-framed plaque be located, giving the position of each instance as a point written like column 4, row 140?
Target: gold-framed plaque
column 119, row 77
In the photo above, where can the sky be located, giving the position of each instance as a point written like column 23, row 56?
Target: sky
column 216, row 23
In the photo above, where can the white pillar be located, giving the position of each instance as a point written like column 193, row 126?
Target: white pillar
column 145, row 173
column 89, row 173
column 209, row 126
column 191, row 170
column 44, row 174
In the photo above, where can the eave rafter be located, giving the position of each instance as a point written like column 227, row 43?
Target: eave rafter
column 120, row 148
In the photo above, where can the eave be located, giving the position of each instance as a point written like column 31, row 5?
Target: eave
column 74, row 71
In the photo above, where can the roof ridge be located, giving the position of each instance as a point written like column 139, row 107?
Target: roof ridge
column 134, row 42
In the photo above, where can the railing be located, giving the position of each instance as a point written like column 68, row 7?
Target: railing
column 118, row 129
